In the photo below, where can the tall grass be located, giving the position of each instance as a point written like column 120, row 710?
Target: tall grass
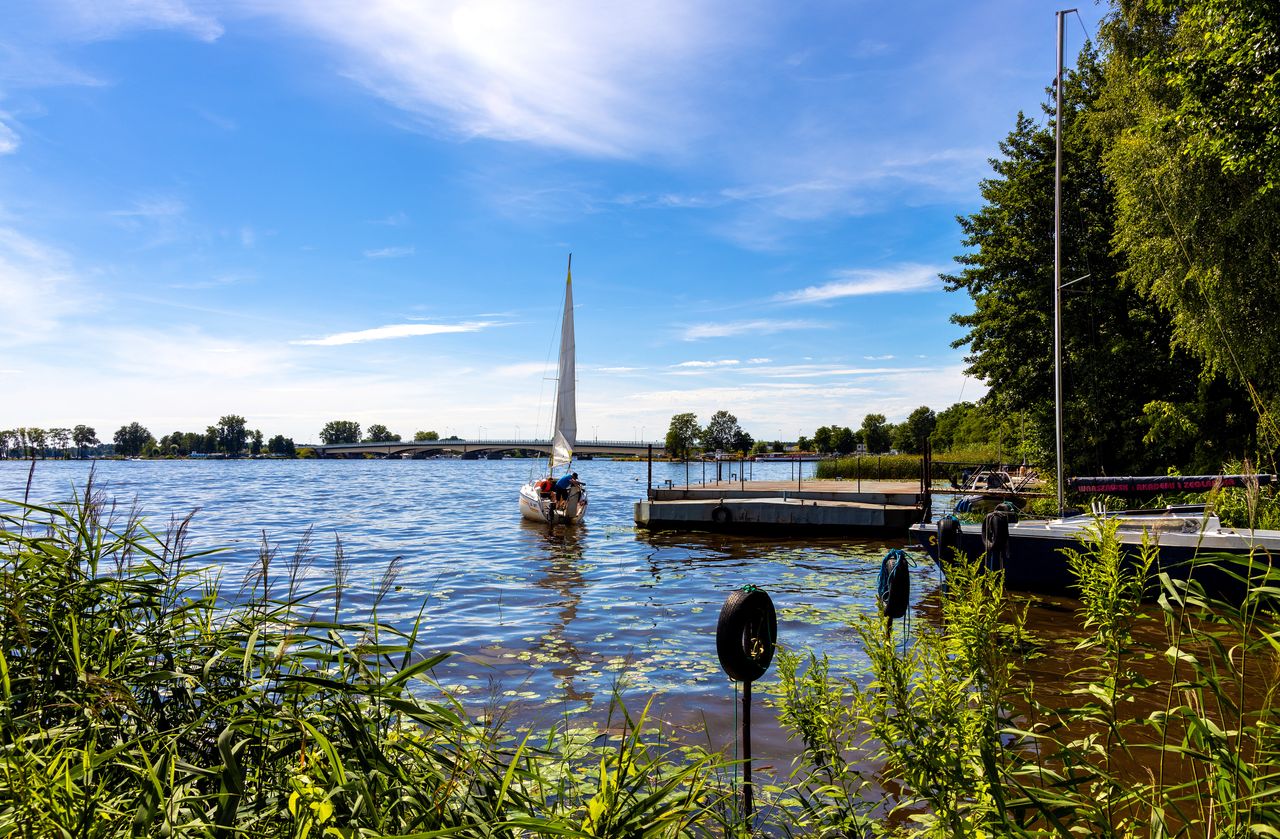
column 870, row 467
column 136, row 701
column 1169, row 727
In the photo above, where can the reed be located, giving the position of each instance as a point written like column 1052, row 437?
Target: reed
column 1168, row 728
column 870, row 467
column 137, row 700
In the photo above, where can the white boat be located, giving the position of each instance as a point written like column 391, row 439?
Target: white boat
column 537, row 502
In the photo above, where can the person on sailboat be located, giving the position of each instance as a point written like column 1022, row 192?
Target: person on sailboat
column 562, row 487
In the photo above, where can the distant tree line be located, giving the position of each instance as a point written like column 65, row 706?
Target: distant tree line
column 965, row 427
column 348, row 431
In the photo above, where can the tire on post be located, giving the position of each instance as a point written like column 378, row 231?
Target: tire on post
column 746, row 634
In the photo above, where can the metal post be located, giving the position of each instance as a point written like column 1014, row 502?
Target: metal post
column 649, row 492
column 1057, row 262
column 746, row 749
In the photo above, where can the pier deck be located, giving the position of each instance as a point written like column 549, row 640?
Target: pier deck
column 784, row 507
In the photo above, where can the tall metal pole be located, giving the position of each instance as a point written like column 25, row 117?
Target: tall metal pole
column 1057, row 264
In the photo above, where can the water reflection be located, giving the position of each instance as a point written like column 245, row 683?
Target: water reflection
column 561, row 558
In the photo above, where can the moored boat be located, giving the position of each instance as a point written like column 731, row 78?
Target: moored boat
column 539, row 499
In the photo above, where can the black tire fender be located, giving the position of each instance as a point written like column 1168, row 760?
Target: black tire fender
column 948, row 538
column 746, row 634
column 721, row 514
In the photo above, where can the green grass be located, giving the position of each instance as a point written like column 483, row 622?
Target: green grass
column 135, row 700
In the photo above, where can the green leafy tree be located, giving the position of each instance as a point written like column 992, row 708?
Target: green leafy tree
column 255, row 445
column 379, row 433
column 824, row 439
column 911, row 435
column 282, row 445
column 742, row 442
column 778, row 447
column 425, row 436
column 876, row 433
column 1188, row 119
column 231, row 434
column 82, row 436
column 1116, row 344
column 340, row 431
column 682, row 435
column 804, row 444
column 843, row 439
column 131, row 439
column 5, row 437
column 721, row 433
column 37, row 439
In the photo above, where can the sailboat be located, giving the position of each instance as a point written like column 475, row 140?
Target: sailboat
column 538, row 501
column 1031, row 552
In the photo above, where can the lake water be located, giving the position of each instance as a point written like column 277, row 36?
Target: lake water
column 546, row 622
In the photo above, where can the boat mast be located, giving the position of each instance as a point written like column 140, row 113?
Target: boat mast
column 1057, row 264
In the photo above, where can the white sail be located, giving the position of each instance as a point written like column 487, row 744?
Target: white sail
column 565, row 435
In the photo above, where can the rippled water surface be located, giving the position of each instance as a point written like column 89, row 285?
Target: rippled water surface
column 548, row 621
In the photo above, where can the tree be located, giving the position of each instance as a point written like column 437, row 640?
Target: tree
column 911, row 436
column 778, row 447
column 760, row 447
column 131, row 439
column 281, row 445
column 5, row 436
column 425, row 436
column 1188, row 120
column 843, row 440
column 255, row 447
column 804, row 444
column 682, row 433
column 84, row 435
column 378, row 433
column 37, row 439
column 231, row 434
column 824, row 440
column 721, row 433
column 742, row 442
column 875, row 433
column 1116, row 344
column 340, row 431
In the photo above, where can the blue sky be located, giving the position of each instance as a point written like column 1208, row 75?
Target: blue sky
column 300, row 212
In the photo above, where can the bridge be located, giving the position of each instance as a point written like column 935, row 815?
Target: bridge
column 477, row 449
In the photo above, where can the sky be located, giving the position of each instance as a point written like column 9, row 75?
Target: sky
column 302, row 212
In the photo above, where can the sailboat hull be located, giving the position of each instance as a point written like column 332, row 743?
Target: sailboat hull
column 536, row 507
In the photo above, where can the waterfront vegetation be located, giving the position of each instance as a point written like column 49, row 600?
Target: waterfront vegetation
column 141, row 697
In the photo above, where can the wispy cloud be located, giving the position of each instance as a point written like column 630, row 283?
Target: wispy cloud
column 9, row 141
column 398, row 330
column 882, row 357
column 39, row 288
column 389, row 253
column 96, row 20
column 858, row 282
column 728, row 362
column 701, row 331
column 602, row 80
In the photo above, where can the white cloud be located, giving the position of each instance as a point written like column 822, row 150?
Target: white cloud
column 9, row 141
column 389, row 253
column 700, row 331
column 728, row 362
column 97, row 20
column 399, row 330
column 39, row 288
column 857, row 282
column 597, row 79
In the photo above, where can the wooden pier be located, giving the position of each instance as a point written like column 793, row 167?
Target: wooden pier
column 837, row 508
